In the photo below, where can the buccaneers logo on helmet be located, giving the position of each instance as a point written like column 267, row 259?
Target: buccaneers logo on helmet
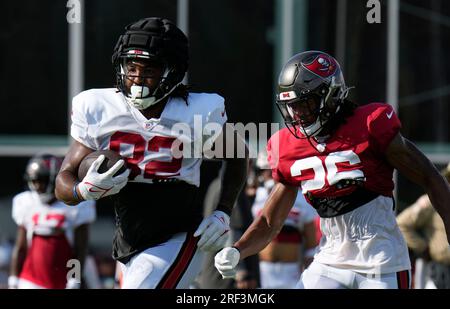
column 322, row 65
column 311, row 89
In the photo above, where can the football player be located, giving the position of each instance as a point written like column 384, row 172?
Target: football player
column 49, row 233
column 292, row 249
column 159, row 224
column 342, row 157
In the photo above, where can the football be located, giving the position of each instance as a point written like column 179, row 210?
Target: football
column 111, row 157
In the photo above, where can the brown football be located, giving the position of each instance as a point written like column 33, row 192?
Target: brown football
column 111, row 157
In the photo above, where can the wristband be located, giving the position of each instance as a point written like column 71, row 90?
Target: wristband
column 75, row 193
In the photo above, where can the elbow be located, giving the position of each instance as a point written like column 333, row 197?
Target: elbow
column 60, row 196
column 63, row 196
column 58, row 191
column 274, row 226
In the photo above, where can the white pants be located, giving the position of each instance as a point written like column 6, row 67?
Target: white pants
column 320, row 276
column 25, row 284
column 170, row 265
column 279, row 275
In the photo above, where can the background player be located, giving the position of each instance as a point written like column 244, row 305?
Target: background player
column 342, row 157
column 149, row 116
column 282, row 261
column 424, row 232
column 49, row 233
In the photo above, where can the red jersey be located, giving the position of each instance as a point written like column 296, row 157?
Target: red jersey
column 353, row 156
column 50, row 237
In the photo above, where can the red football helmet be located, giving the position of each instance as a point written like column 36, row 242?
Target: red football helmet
column 311, row 89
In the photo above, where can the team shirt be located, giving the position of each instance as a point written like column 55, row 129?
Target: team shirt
column 50, row 236
column 153, row 148
column 148, row 211
column 366, row 238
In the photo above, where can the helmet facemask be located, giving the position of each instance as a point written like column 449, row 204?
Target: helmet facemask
column 140, row 95
column 311, row 76
column 321, row 104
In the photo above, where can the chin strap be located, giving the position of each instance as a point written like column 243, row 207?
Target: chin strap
column 140, row 96
column 143, row 103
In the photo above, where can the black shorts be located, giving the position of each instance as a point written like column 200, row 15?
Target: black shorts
column 149, row 214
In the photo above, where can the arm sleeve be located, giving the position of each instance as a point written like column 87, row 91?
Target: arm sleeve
column 383, row 125
column 80, row 127
column 217, row 114
column 214, row 119
column 18, row 211
column 273, row 156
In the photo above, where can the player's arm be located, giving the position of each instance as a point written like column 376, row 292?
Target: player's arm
column 414, row 165
column 235, row 168
column 19, row 254
column 260, row 232
column 269, row 223
column 214, row 229
column 67, row 176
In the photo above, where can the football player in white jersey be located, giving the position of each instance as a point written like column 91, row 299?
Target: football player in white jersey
column 49, row 232
column 149, row 119
column 281, row 262
column 342, row 156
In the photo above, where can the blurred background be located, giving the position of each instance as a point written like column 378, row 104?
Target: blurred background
column 237, row 50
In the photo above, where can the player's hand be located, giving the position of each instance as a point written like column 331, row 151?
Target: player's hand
column 96, row 185
column 226, row 261
column 213, row 231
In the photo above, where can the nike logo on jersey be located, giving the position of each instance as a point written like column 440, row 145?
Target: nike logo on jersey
column 390, row 114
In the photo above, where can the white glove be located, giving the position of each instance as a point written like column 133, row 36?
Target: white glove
column 96, row 185
column 214, row 231
column 226, row 261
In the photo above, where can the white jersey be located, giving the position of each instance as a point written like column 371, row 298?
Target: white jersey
column 50, row 235
column 43, row 219
column 299, row 215
column 167, row 147
column 365, row 240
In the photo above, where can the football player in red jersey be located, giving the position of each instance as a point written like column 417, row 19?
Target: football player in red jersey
column 49, row 233
column 161, row 236
column 342, row 157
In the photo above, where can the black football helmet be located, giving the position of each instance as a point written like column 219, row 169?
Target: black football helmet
column 40, row 174
column 159, row 40
column 311, row 89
